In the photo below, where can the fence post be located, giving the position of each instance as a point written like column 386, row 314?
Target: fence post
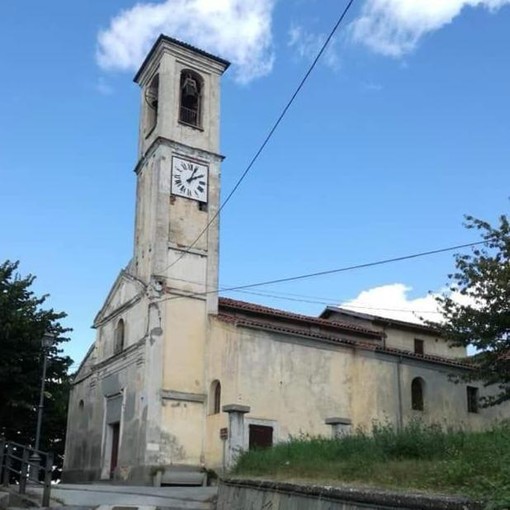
column 48, row 470
column 7, row 465
column 24, row 471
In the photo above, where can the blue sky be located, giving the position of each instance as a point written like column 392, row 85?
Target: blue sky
column 401, row 130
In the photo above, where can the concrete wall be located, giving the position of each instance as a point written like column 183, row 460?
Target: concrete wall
column 260, row 495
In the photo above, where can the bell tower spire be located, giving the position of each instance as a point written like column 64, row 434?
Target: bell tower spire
column 178, row 168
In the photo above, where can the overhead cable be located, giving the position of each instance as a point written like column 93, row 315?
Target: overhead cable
column 335, row 271
column 268, row 136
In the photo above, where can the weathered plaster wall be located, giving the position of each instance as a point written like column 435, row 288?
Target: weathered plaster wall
column 86, row 450
column 181, row 436
column 294, row 384
column 433, row 345
column 136, row 375
column 401, row 336
column 169, row 62
column 135, row 328
column 184, row 345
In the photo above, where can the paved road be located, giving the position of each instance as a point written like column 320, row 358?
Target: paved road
column 176, row 498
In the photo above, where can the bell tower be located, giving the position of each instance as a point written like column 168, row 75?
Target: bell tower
column 178, row 169
column 177, row 197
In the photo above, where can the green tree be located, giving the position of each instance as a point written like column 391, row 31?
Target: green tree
column 483, row 318
column 23, row 322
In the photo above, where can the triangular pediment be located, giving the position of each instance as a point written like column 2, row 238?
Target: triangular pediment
column 125, row 291
column 86, row 363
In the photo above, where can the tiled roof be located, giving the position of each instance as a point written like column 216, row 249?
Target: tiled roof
column 414, row 326
column 251, row 315
column 163, row 37
column 231, row 305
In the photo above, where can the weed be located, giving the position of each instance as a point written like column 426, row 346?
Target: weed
column 424, row 457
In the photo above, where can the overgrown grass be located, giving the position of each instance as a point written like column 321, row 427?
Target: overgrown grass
column 423, row 457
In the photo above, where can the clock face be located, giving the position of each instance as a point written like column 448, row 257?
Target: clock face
column 189, row 179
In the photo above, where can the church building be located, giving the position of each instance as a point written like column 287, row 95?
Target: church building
column 180, row 380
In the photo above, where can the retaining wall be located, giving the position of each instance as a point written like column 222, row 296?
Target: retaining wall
column 240, row 494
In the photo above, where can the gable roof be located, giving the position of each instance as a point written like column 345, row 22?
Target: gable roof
column 377, row 319
column 251, row 315
column 233, row 305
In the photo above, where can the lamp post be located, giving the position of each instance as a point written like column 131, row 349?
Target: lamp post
column 35, row 459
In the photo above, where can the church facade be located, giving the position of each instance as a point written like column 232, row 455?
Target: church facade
column 178, row 379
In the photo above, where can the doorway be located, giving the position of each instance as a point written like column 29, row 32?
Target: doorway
column 115, row 435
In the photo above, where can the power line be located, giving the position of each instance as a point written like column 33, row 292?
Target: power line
column 357, row 266
column 268, row 136
column 303, row 298
column 334, row 302
column 334, row 271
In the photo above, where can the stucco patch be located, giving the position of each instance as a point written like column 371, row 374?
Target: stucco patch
column 171, row 449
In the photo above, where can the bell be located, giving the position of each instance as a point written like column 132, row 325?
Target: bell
column 190, row 87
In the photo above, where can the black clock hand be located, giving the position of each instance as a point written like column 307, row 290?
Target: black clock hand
column 194, row 178
column 192, row 174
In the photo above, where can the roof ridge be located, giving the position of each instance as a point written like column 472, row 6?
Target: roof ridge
column 256, row 308
column 393, row 351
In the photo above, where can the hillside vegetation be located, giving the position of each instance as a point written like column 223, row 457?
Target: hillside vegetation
column 420, row 457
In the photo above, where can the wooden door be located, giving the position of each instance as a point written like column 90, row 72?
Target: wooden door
column 115, row 430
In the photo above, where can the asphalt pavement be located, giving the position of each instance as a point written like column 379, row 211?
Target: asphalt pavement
column 91, row 495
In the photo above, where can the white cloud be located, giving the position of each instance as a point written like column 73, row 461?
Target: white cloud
column 394, row 27
column 307, row 45
column 392, row 301
column 237, row 30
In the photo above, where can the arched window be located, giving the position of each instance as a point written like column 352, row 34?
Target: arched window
column 417, row 394
column 190, row 110
column 151, row 104
column 119, row 337
column 215, row 397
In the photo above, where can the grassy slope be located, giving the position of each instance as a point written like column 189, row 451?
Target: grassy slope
column 419, row 457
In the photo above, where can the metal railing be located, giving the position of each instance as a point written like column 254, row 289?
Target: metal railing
column 189, row 116
column 23, row 464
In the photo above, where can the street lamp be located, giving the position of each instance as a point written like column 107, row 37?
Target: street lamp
column 46, row 342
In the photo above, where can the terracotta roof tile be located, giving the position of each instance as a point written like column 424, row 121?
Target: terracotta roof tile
column 291, row 323
column 231, row 305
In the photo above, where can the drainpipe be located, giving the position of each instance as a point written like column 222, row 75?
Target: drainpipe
column 400, row 420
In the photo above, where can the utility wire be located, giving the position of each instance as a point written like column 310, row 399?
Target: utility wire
column 304, row 298
column 335, row 302
column 268, row 136
column 332, row 271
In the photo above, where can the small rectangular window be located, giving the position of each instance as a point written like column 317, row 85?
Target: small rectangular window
column 261, row 436
column 418, row 346
column 472, row 399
